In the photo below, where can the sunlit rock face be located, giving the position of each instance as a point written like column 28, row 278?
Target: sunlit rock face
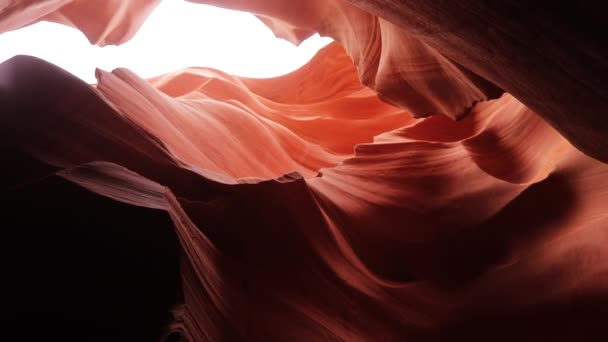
column 398, row 187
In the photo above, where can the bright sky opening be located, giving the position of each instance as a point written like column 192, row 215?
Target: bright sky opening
column 177, row 35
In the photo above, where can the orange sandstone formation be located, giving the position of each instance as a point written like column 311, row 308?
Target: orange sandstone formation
column 305, row 207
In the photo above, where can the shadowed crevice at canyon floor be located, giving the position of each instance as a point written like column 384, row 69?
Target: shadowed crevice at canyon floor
column 579, row 318
column 77, row 266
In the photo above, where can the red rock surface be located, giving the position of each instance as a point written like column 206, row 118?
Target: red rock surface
column 305, row 207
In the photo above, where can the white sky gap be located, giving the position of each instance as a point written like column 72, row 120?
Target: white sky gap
column 177, row 35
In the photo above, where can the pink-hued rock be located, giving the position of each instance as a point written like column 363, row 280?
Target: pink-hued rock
column 104, row 22
column 309, row 209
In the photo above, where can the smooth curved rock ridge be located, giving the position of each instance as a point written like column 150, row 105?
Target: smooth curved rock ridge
column 216, row 122
column 308, row 209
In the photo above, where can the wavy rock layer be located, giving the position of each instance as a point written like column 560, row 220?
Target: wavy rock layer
column 306, row 208
column 552, row 57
